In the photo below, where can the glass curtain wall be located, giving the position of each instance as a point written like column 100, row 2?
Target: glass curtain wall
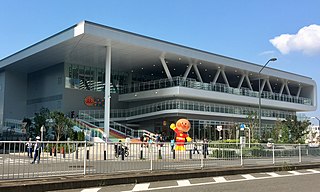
column 92, row 78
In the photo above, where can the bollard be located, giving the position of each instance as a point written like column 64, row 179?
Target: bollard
column 77, row 154
column 51, row 152
column 105, row 155
column 87, row 154
column 174, row 154
column 141, row 153
column 122, row 154
column 190, row 154
column 55, row 152
column 160, row 156
column 64, row 154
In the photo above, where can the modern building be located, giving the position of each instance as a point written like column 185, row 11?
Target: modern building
column 107, row 75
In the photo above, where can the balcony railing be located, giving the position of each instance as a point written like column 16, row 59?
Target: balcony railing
column 186, row 105
column 192, row 83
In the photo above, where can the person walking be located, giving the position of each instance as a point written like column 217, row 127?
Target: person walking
column 195, row 147
column 29, row 148
column 205, row 147
column 37, row 151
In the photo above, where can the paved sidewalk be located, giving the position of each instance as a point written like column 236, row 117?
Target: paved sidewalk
column 81, row 181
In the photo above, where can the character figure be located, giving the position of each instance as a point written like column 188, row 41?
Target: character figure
column 181, row 128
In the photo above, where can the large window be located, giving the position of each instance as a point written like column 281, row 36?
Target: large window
column 92, row 78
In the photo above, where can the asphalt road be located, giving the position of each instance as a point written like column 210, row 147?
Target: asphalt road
column 282, row 181
column 12, row 167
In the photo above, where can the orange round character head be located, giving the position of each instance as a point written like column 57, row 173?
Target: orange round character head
column 183, row 125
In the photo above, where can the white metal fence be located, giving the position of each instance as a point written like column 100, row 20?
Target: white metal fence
column 74, row 158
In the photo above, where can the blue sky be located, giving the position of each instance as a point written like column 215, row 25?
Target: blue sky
column 240, row 29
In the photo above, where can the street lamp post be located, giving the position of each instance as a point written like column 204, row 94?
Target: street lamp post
column 272, row 59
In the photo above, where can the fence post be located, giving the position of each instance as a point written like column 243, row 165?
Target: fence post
column 273, row 157
column 84, row 158
column 151, row 158
column 201, row 161
column 241, row 159
column 299, row 153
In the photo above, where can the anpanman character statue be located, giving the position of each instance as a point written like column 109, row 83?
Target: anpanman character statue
column 181, row 128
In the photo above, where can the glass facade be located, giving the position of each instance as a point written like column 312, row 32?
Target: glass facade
column 92, row 79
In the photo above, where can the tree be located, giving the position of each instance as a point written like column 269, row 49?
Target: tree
column 253, row 122
column 61, row 124
column 41, row 119
column 297, row 128
column 290, row 130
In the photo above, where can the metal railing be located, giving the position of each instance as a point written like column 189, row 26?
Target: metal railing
column 218, row 87
column 95, row 115
column 74, row 158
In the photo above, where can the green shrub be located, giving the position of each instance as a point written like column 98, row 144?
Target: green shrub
column 217, row 153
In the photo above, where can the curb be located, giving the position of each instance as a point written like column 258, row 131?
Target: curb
column 73, row 182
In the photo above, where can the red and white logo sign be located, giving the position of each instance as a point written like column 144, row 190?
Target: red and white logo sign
column 89, row 101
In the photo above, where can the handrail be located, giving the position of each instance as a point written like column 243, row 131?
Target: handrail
column 218, row 87
column 185, row 105
column 122, row 129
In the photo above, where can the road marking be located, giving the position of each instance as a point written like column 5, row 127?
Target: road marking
column 295, row 172
column 248, row 176
column 91, row 190
column 313, row 171
column 273, row 174
column 219, row 179
column 183, row 182
column 141, row 187
column 223, row 180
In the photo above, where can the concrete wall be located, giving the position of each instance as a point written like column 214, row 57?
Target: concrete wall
column 2, row 88
column 15, row 95
column 45, row 89
column 73, row 100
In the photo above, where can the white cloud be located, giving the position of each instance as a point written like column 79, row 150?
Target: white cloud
column 267, row 53
column 307, row 40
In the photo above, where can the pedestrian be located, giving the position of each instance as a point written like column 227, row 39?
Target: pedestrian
column 195, row 147
column 29, row 148
column 205, row 147
column 120, row 148
column 141, row 140
column 37, row 151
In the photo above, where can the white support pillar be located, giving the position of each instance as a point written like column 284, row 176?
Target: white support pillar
column 262, row 86
column 107, row 92
column 225, row 78
column 216, row 77
column 269, row 86
column 197, row 72
column 287, row 89
column 299, row 91
column 248, row 82
column 186, row 73
column 241, row 81
column 165, row 67
column 281, row 89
